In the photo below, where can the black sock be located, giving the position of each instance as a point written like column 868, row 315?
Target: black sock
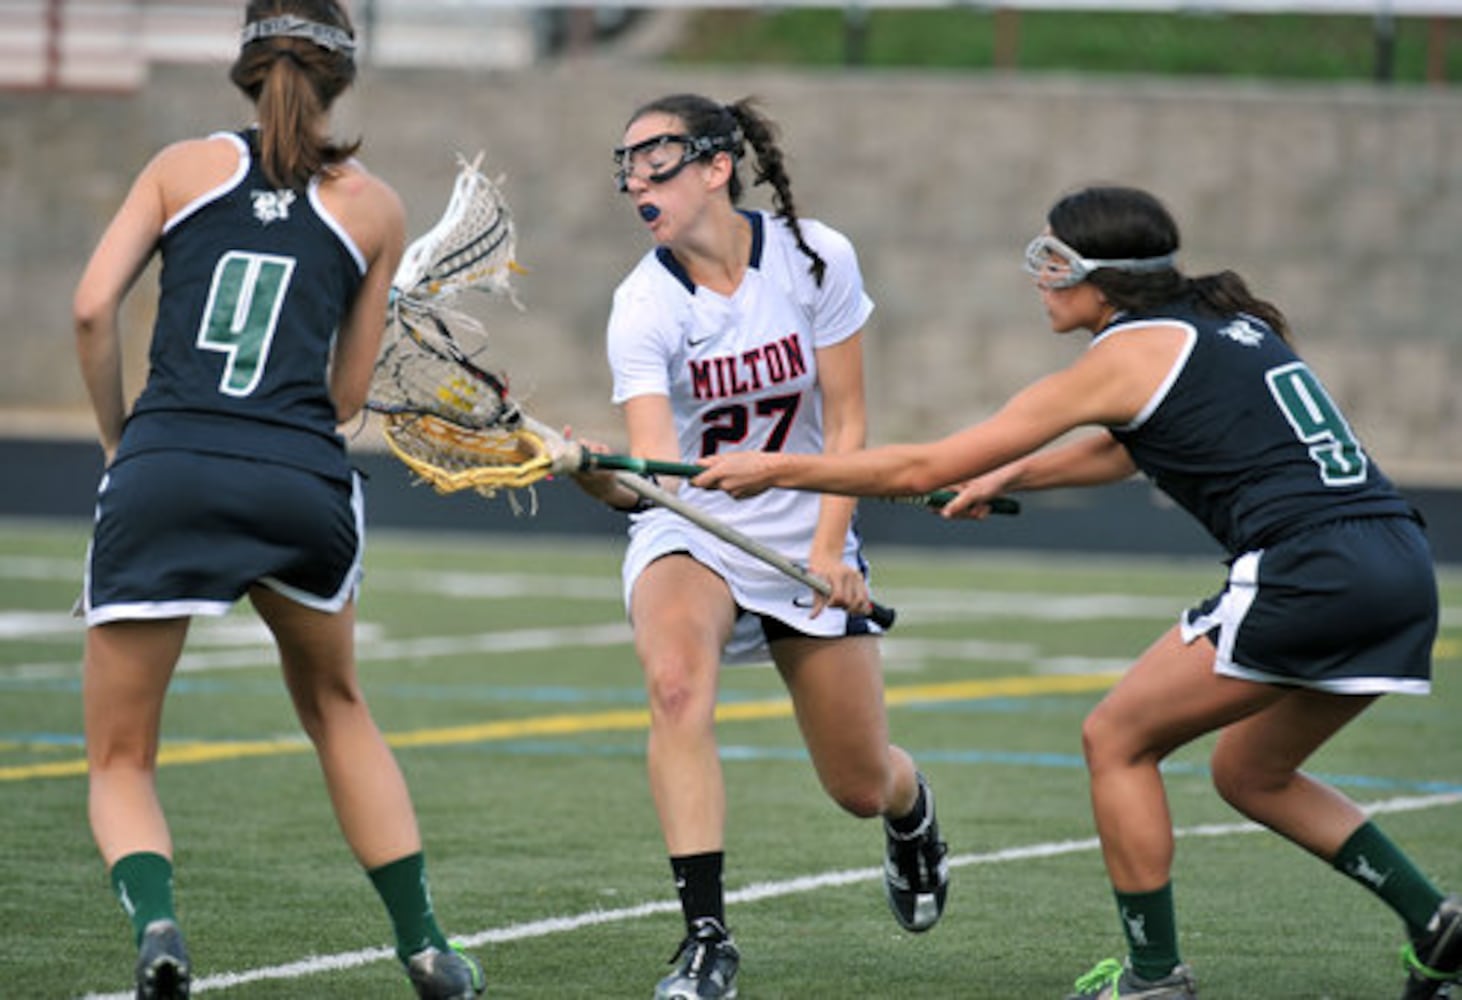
column 698, row 880
column 911, row 821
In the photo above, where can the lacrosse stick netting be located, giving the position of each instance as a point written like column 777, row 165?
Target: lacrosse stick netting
column 446, row 416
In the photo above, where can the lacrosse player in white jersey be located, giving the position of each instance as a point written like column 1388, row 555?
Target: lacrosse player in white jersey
column 743, row 330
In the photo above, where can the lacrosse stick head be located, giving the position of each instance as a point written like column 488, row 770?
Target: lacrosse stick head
column 472, row 245
column 451, row 421
column 453, row 458
column 446, row 416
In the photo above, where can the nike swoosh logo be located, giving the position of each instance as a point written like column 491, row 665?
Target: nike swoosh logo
column 698, row 341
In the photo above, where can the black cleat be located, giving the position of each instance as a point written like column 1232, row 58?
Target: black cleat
column 1434, row 961
column 163, row 969
column 446, row 975
column 705, row 965
column 915, row 871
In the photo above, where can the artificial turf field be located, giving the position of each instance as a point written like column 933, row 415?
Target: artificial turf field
column 500, row 666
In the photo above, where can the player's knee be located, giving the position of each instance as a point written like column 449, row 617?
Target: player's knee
column 864, row 802
column 321, row 706
column 121, row 759
column 1099, row 738
column 1241, row 783
column 677, row 698
column 1110, row 740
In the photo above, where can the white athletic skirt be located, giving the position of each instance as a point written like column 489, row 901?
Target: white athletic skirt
column 756, row 587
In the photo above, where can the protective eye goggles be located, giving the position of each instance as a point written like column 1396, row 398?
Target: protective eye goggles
column 659, row 158
column 1055, row 264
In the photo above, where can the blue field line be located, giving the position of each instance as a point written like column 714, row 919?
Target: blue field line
column 733, row 753
column 1004, row 758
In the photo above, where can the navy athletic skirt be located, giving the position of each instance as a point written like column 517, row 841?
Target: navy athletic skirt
column 1349, row 606
column 182, row 533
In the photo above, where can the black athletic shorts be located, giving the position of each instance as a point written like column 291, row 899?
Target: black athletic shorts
column 1349, row 606
column 184, row 533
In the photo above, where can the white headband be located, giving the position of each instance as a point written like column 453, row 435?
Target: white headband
column 289, row 26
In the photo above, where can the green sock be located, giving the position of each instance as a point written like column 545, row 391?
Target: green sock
column 143, row 883
column 1370, row 858
column 1151, row 927
column 403, row 888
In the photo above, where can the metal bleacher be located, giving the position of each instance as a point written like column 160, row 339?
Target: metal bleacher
column 109, row 44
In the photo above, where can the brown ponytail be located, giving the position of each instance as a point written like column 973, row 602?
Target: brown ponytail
column 293, row 83
column 762, row 134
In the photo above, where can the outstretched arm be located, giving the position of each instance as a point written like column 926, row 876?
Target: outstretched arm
column 1107, row 386
column 1090, row 461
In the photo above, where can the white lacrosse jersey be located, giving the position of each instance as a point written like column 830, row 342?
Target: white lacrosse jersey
column 740, row 372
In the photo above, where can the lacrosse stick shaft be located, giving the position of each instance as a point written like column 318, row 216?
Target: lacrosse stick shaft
column 938, row 498
column 590, row 461
column 881, row 615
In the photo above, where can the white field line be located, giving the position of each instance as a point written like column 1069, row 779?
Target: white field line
column 316, row 964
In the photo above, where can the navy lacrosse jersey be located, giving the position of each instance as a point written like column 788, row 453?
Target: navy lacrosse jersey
column 1244, row 437
column 255, row 282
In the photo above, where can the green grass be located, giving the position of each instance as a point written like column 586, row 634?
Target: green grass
column 522, row 828
column 1263, row 47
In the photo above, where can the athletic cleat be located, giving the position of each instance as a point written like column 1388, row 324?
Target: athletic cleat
column 1434, row 961
column 163, row 969
column 446, row 975
column 915, row 871
column 1113, row 980
column 705, row 965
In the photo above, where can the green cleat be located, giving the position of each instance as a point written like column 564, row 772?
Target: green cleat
column 1112, row 980
column 1434, row 961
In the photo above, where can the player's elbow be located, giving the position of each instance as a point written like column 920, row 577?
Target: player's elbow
column 90, row 312
column 348, row 403
column 919, row 473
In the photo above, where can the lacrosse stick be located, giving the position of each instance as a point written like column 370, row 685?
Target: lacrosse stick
column 880, row 614
column 449, row 419
column 589, row 461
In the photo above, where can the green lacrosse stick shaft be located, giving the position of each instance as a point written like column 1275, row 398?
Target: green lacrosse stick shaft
column 938, row 498
column 651, row 467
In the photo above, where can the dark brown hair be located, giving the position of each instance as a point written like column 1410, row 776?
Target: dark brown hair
column 705, row 117
column 293, row 82
column 1122, row 222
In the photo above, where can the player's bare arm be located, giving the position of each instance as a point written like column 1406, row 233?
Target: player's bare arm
column 372, row 213
column 1107, row 386
column 845, row 429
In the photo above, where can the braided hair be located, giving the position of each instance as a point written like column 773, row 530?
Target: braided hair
column 740, row 124
column 1123, row 222
column 293, row 81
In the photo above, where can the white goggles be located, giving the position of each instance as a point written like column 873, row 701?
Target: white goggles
column 1056, row 265
column 660, row 157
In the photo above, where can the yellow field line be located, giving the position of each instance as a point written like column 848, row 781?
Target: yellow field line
column 174, row 754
